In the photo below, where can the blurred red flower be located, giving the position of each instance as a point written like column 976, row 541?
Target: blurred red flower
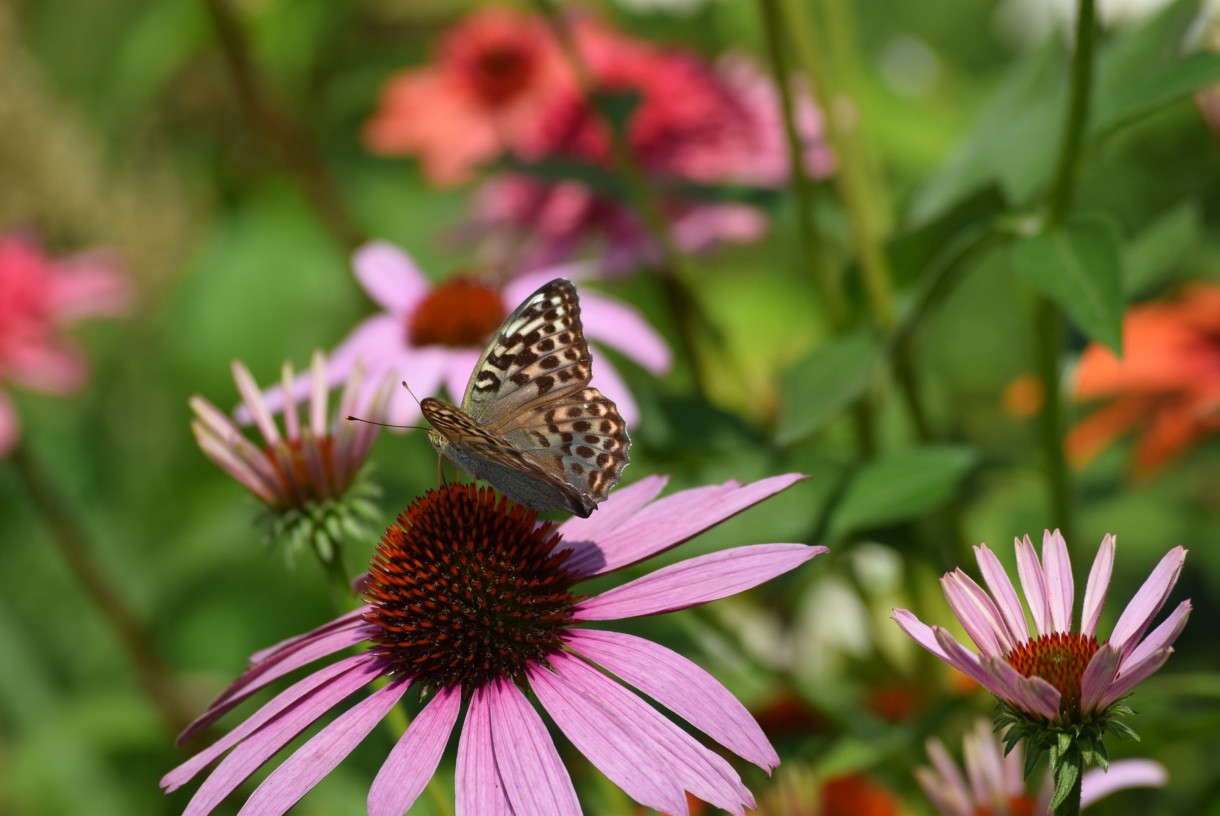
column 1166, row 387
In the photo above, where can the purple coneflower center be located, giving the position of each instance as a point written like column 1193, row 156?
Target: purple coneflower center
column 300, row 480
column 1060, row 659
column 465, row 588
column 461, row 313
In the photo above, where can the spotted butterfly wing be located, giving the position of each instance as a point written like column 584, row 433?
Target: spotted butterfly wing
column 530, row 424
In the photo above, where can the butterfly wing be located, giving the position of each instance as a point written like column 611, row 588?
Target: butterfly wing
column 539, row 353
column 488, row 456
column 580, row 435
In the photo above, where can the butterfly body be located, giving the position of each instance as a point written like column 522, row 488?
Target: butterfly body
column 529, row 423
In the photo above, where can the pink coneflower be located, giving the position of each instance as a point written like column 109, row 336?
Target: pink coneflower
column 493, row 74
column 1166, row 386
column 308, row 473
column 994, row 782
column 1059, row 688
column 693, row 123
column 433, row 335
column 473, row 601
column 39, row 297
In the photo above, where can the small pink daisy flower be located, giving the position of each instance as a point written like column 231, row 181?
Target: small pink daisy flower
column 473, row 601
column 1053, row 673
column 308, row 474
column 433, row 335
column 994, row 782
column 39, row 296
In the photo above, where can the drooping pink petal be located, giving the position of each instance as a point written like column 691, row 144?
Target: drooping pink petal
column 310, row 763
column 1097, row 677
column 607, row 380
column 693, row 767
column 1027, row 693
column 524, row 285
column 622, row 505
column 344, row 621
column 252, row 399
column 1060, row 589
column 260, row 674
column 535, row 779
column 968, row 663
column 1148, row 601
column 268, row 740
column 1122, row 774
column 458, row 368
column 236, row 466
column 622, row 328
column 389, row 276
column 350, row 667
column 977, row 613
column 1163, row 636
column 56, row 367
column 950, row 784
column 679, row 685
column 609, row 742
column 1003, row 593
column 478, row 787
column 413, row 759
column 90, row 284
column 919, row 631
column 696, row 580
column 1033, row 584
column 670, row 521
column 1132, row 674
column 1099, row 584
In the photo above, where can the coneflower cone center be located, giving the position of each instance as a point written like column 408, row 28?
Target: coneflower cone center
column 465, row 588
column 1060, row 659
column 302, row 484
column 461, row 313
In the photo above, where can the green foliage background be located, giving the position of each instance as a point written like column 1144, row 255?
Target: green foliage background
column 119, row 126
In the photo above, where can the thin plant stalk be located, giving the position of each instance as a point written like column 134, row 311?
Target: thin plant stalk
column 76, row 549
column 1048, row 326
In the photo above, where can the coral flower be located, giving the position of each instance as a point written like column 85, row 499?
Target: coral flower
column 39, row 296
column 1166, row 385
column 307, row 473
column 692, row 123
column 493, row 73
column 433, row 335
column 995, row 784
column 1054, row 674
column 471, row 600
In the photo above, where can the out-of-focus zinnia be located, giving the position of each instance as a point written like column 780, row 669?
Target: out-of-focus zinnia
column 39, row 297
column 1166, row 386
column 473, row 601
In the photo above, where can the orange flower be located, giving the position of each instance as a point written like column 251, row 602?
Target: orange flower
column 1166, row 387
column 483, row 94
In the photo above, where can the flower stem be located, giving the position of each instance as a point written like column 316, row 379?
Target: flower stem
column 298, row 154
column 1071, row 805
column 77, row 552
column 1048, row 328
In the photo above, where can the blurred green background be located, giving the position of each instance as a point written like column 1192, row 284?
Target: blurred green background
column 120, row 126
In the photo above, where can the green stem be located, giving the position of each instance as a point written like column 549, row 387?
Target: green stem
column 1048, row 328
column 76, row 550
column 851, row 169
column 1071, row 805
column 276, row 126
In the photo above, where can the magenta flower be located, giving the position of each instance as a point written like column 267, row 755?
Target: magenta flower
column 1053, row 673
column 39, row 296
column 995, row 782
column 433, row 335
column 472, row 600
column 309, row 473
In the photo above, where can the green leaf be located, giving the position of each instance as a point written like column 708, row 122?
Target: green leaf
column 1153, row 88
column 824, row 383
column 1079, row 267
column 1065, row 782
column 912, row 252
column 901, row 486
column 1151, row 258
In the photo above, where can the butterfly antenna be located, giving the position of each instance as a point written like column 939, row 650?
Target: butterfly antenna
column 409, row 391
column 351, row 418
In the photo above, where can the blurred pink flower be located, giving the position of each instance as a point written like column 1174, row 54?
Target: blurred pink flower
column 693, row 123
column 1053, row 674
column 500, row 619
column 39, row 296
column 306, row 463
column 994, row 782
column 493, row 73
column 433, row 335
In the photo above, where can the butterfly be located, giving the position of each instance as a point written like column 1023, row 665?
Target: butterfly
column 530, row 424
